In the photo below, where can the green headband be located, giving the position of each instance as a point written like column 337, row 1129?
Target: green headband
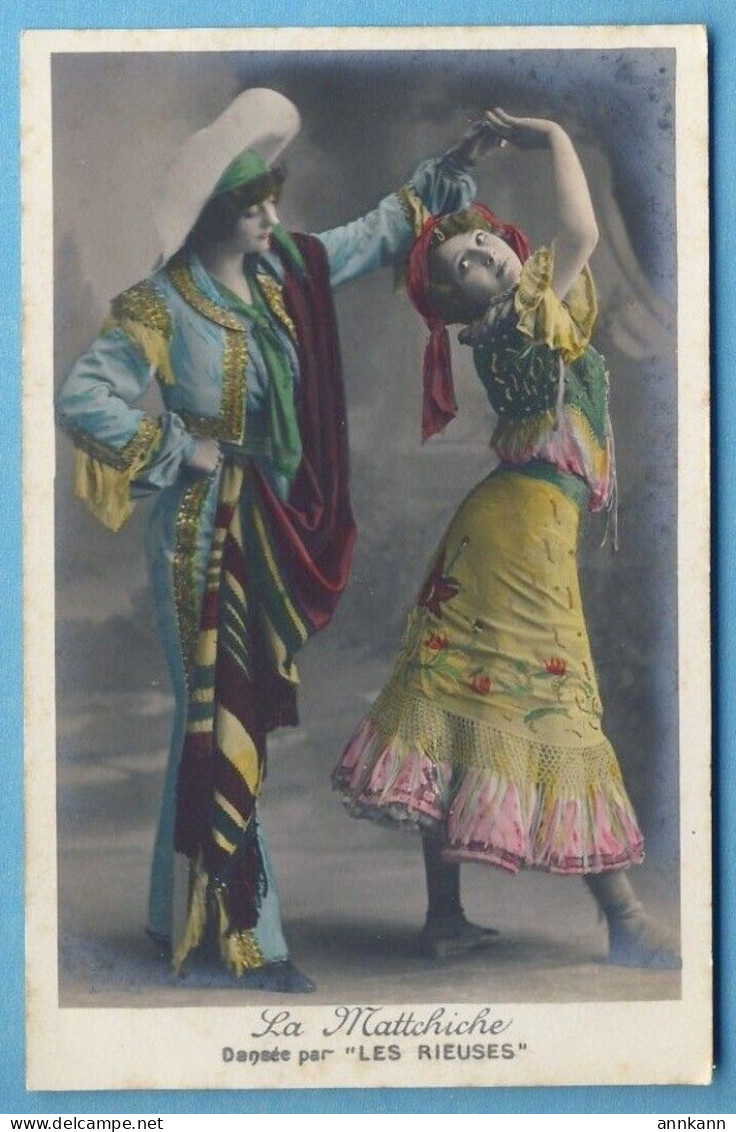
column 247, row 166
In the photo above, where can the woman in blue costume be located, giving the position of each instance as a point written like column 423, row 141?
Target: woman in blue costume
column 250, row 538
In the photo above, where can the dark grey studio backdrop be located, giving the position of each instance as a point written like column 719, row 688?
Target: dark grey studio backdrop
column 367, row 120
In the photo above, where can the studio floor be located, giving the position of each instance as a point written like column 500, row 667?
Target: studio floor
column 351, row 894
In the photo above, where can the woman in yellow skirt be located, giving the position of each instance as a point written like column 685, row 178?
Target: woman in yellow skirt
column 488, row 736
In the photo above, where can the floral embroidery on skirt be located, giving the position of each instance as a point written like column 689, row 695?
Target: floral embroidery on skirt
column 489, row 730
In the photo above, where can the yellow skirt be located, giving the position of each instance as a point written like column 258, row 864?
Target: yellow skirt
column 489, row 730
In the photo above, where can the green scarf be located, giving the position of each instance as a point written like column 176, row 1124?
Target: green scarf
column 283, row 423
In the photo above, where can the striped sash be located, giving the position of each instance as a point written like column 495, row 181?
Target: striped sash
column 250, row 629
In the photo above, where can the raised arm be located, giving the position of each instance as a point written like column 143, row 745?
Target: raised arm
column 384, row 235
column 577, row 234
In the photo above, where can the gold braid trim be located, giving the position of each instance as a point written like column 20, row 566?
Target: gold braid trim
column 185, row 587
column 230, row 425
column 139, row 445
column 442, row 735
column 181, row 276
column 416, row 215
column 103, row 475
column 143, row 303
column 414, row 209
column 273, row 293
column 142, row 315
column 211, row 427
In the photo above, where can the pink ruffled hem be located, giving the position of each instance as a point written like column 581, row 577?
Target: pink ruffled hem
column 414, row 783
column 484, row 816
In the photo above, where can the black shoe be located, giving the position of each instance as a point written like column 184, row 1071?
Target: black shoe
column 443, row 937
column 282, row 977
column 161, row 944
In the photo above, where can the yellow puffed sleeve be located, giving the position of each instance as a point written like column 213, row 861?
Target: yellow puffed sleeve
column 565, row 326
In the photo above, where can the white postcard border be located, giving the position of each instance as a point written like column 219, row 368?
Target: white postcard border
column 181, row 1048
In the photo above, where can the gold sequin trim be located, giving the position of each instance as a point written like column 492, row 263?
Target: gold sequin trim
column 140, row 445
column 185, row 588
column 230, row 425
column 414, row 209
column 273, row 293
column 143, row 303
column 202, row 426
column 241, row 952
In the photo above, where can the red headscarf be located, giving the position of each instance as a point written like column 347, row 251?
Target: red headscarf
column 439, row 392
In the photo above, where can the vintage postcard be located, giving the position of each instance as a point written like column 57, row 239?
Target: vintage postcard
column 396, row 339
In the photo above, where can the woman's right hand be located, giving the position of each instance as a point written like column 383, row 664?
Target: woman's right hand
column 205, row 458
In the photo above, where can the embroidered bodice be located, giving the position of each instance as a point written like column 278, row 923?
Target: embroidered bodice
column 547, row 384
